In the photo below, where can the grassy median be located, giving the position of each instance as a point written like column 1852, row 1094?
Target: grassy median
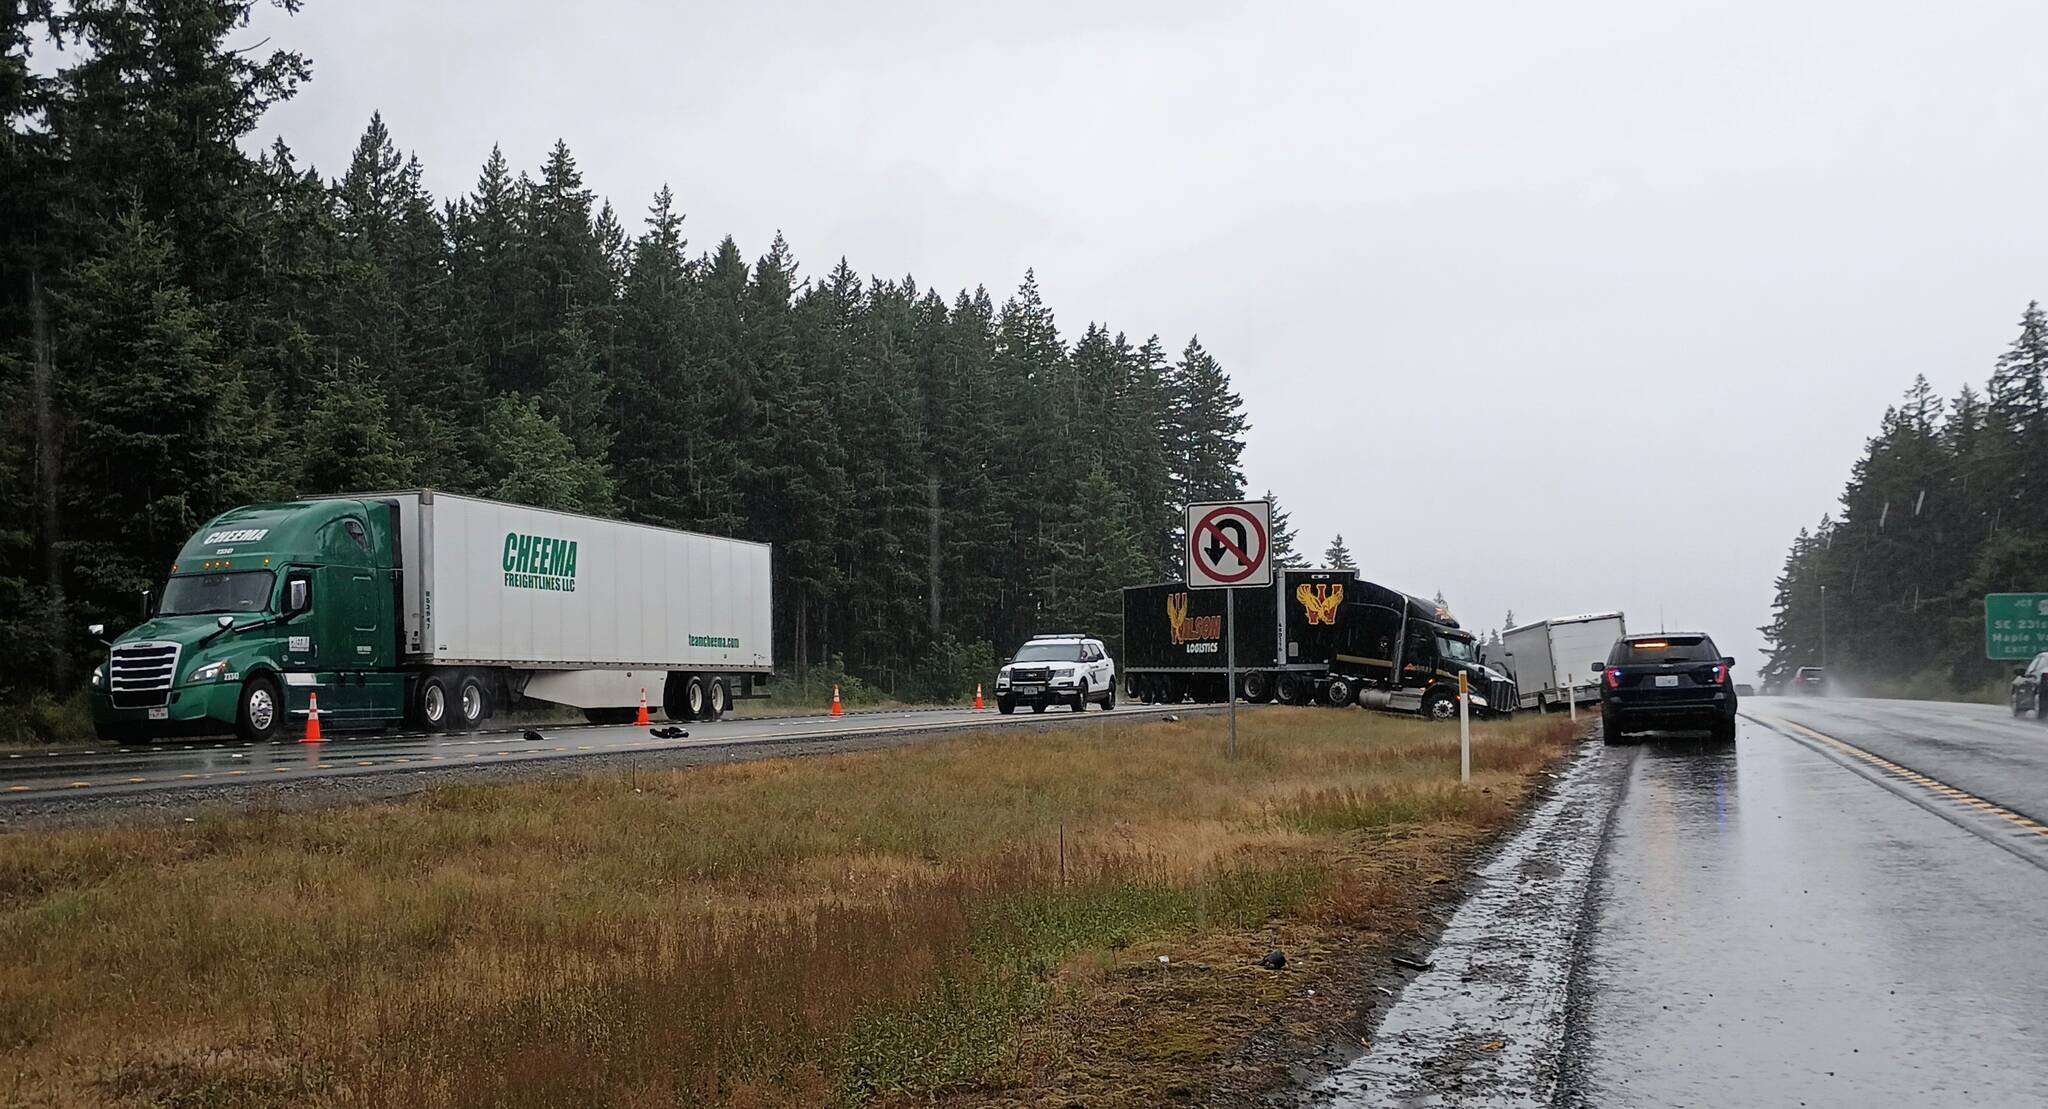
column 970, row 921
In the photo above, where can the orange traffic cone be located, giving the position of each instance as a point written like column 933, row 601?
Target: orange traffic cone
column 836, row 710
column 312, row 720
column 978, row 706
column 641, row 721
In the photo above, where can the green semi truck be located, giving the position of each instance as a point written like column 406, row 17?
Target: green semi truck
column 434, row 610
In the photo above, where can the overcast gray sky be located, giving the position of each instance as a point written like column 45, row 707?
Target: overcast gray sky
column 1553, row 306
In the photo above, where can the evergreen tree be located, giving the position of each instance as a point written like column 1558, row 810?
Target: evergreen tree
column 1282, row 552
column 347, row 443
column 1337, row 556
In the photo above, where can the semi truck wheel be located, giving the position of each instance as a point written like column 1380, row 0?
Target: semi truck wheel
column 472, row 704
column 1288, row 689
column 430, row 703
column 1339, row 692
column 714, row 700
column 260, row 717
column 1440, row 705
column 682, row 696
column 1257, row 687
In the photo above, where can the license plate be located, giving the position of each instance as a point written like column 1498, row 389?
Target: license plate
column 160, row 714
column 1029, row 687
column 1665, row 680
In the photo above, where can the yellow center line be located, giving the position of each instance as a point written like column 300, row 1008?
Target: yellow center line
column 19, row 789
column 134, row 780
column 80, row 785
column 280, row 770
column 1932, row 785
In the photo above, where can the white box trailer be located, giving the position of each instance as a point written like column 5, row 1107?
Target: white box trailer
column 1550, row 658
column 579, row 610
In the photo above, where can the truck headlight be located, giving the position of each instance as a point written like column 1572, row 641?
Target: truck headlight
column 211, row 672
column 99, row 677
column 1002, row 678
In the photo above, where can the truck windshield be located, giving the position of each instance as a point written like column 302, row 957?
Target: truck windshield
column 1049, row 652
column 194, row 594
column 1457, row 650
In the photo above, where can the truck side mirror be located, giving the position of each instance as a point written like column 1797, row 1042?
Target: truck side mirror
column 97, row 631
column 1728, row 661
column 1597, row 669
column 225, row 622
column 297, row 596
column 145, row 604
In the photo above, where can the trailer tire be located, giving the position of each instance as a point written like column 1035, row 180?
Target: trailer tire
column 682, row 696
column 1340, row 692
column 471, row 705
column 1439, row 704
column 1257, row 687
column 1287, row 688
column 430, row 701
column 259, row 713
column 714, row 700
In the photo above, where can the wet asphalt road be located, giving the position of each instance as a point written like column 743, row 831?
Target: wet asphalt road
column 28, row 778
column 1784, row 922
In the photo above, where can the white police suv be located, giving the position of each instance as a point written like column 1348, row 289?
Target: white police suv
column 1052, row 670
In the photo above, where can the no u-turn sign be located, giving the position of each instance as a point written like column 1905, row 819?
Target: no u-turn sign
column 1227, row 544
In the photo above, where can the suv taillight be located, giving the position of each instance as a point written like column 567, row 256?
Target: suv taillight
column 1720, row 673
column 1613, row 678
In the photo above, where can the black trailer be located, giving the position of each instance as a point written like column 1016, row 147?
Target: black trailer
column 1313, row 636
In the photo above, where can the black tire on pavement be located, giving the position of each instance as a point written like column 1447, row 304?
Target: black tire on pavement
column 1287, row 688
column 1005, row 706
column 1109, row 697
column 1081, row 697
column 1724, row 730
column 1610, row 728
column 714, row 699
column 471, row 705
column 1340, row 692
column 1039, row 706
column 431, row 702
column 260, row 715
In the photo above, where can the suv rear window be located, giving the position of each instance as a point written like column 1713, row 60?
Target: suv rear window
column 1668, row 648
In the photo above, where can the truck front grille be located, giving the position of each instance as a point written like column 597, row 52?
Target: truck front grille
column 1039, row 674
column 139, row 675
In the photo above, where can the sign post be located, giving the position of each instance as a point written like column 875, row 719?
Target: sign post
column 1227, row 547
column 1464, row 729
column 2015, row 626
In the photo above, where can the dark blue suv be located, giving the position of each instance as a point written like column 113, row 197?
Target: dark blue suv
column 1666, row 681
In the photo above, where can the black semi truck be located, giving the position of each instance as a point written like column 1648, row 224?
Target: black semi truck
column 1312, row 637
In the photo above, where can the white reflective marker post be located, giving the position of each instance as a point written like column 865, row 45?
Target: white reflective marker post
column 1571, row 695
column 1464, row 729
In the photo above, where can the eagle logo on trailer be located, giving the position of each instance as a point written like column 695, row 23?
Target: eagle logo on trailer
column 1203, row 632
column 1320, row 601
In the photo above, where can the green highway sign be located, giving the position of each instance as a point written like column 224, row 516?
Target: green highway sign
column 2015, row 625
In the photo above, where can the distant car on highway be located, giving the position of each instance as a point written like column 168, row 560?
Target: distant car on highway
column 1666, row 680
column 2030, row 688
column 1809, row 680
column 1052, row 670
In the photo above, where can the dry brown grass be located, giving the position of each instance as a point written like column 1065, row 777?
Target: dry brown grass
column 882, row 926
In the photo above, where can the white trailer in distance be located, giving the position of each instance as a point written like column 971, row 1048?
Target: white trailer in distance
column 1548, row 658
